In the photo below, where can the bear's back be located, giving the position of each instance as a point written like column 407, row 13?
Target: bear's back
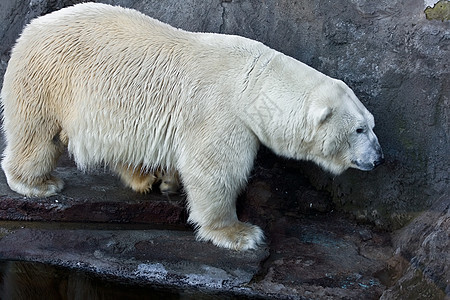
column 96, row 25
column 103, row 72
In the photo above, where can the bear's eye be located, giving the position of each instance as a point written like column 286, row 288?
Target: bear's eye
column 360, row 130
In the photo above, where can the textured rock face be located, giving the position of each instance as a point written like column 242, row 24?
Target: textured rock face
column 422, row 251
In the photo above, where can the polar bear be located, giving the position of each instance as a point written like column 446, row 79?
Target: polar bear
column 122, row 90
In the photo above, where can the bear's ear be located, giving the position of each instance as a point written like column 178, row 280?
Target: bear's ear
column 321, row 115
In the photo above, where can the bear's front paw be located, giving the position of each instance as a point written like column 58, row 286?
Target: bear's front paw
column 239, row 236
column 170, row 182
column 168, row 187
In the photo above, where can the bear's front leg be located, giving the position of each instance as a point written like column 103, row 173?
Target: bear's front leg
column 212, row 210
column 237, row 235
column 212, row 181
column 170, row 183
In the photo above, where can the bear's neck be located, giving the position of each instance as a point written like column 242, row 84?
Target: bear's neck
column 275, row 102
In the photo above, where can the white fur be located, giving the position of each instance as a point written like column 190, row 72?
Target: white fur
column 123, row 90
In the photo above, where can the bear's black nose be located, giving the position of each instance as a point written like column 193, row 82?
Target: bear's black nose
column 378, row 162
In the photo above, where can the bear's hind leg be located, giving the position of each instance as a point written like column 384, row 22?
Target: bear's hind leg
column 136, row 178
column 29, row 158
column 142, row 181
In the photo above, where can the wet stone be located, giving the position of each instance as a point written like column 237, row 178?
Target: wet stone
column 365, row 234
column 161, row 257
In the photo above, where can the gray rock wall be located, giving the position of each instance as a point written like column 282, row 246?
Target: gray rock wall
column 387, row 51
column 422, row 256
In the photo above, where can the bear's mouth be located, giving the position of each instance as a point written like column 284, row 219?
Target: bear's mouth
column 365, row 166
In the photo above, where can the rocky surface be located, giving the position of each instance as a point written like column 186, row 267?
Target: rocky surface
column 394, row 58
column 422, row 254
column 314, row 258
column 173, row 260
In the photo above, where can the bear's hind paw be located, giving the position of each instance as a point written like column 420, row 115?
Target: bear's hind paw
column 239, row 236
column 46, row 188
column 142, row 184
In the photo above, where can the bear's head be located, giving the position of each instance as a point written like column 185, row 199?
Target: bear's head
column 304, row 114
column 342, row 128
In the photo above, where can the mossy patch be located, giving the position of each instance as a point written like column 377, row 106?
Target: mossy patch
column 440, row 11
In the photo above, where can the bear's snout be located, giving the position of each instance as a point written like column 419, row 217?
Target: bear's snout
column 370, row 160
column 380, row 156
column 379, row 161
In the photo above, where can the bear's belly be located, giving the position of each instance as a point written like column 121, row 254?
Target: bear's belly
column 102, row 137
